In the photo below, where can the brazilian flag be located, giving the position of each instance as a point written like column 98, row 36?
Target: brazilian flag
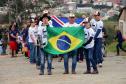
column 64, row 40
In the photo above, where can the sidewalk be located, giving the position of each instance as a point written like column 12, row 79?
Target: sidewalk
column 19, row 71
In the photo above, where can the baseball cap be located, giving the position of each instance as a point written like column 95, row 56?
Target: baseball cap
column 97, row 13
column 32, row 20
column 71, row 15
column 45, row 16
column 86, row 20
column 45, row 12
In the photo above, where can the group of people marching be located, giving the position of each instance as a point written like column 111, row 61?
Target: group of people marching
column 35, row 37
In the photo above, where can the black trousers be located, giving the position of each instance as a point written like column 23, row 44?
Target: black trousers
column 118, row 47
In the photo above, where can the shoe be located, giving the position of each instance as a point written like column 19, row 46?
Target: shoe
column 49, row 73
column 53, row 68
column 104, row 56
column 41, row 73
column 13, row 56
column 100, row 65
column 32, row 62
column 59, row 60
column 87, row 72
column 95, row 72
column 73, row 72
column 80, row 61
column 17, row 55
column 66, row 72
column 3, row 54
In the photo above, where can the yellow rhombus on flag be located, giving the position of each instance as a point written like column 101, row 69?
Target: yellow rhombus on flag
column 64, row 40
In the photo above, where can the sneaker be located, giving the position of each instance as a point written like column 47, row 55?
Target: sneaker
column 100, row 64
column 17, row 55
column 73, row 72
column 32, row 62
column 95, row 72
column 53, row 68
column 49, row 73
column 41, row 73
column 80, row 61
column 13, row 56
column 87, row 72
column 59, row 60
column 66, row 72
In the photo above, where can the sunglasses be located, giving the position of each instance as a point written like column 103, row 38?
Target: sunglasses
column 72, row 17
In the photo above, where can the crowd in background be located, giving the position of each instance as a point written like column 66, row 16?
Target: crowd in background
column 32, row 38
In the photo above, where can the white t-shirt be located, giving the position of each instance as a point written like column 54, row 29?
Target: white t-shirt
column 93, row 24
column 33, row 32
column 71, row 25
column 36, row 31
column 19, row 40
column 89, row 33
column 43, row 34
column 99, row 25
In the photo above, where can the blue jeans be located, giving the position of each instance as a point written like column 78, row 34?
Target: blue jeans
column 74, row 60
column 1, row 50
column 38, row 55
column 43, row 57
column 4, row 49
column 89, row 59
column 80, row 54
column 98, row 56
column 32, row 53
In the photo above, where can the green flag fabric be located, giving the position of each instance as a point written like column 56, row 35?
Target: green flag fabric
column 64, row 40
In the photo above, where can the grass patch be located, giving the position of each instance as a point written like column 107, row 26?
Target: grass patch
column 112, row 46
column 110, row 29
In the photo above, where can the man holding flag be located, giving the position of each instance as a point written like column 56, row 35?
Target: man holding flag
column 66, row 40
column 42, row 33
column 73, row 53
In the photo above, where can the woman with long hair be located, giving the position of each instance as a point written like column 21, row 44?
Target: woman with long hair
column 12, row 39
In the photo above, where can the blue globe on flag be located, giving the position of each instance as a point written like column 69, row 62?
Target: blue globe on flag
column 63, row 43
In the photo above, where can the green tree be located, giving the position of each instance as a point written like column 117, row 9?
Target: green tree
column 17, row 6
column 2, row 2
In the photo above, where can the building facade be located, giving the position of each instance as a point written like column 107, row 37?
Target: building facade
column 122, row 21
column 123, row 2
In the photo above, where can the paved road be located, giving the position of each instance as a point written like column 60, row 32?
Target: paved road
column 19, row 71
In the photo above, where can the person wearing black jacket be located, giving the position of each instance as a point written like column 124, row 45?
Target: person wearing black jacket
column 120, row 39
